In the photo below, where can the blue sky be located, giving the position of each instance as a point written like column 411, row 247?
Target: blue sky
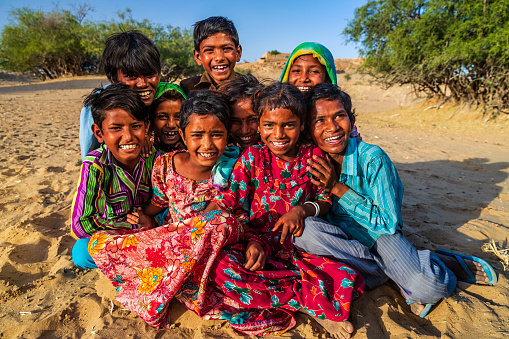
column 263, row 25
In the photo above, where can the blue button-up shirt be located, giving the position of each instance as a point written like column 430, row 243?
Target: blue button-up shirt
column 372, row 205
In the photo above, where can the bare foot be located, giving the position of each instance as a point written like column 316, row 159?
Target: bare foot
column 460, row 273
column 339, row 330
column 416, row 308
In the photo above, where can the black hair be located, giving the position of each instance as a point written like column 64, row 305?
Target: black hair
column 205, row 102
column 172, row 95
column 132, row 53
column 116, row 95
column 330, row 92
column 240, row 87
column 280, row 95
column 213, row 25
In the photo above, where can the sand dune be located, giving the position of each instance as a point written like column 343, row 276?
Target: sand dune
column 455, row 170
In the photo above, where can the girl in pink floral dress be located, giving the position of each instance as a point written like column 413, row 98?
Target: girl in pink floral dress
column 149, row 267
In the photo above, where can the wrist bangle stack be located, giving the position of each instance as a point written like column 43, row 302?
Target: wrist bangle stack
column 317, row 207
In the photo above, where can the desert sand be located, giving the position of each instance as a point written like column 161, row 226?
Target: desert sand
column 453, row 164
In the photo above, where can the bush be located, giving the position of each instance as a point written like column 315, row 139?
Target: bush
column 52, row 44
column 449, row 49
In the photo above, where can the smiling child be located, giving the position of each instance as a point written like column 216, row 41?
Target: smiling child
column 273, row 178
column 129, row 58
column 217, row 49
column 363, row 226
column 311, row 64
column 239, row 93
column 114, row 179
column 165, row 116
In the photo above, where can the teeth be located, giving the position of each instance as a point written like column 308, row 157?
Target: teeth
column 128, row 146
column 279, row 144
column 207, row 155
column 170, row 134
column 303, row 88
column 246, row 138
column 144, row 94
column 333, row 138
column 220, row 68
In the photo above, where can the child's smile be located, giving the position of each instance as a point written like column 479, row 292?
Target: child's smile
column 123, row 135
column 280, row 130
column 330, row 126
column 166, row 122
column 244, row 124
column 218, row 56
column 145, row 86
column 307, row 72
column 205, row 137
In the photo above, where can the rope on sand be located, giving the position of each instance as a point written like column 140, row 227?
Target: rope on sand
column 502, row 255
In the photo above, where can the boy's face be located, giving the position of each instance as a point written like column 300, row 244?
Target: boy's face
column 123, row 135
column 166, row 122
column 218, row 56
column 307, row 72
column 145, row 86
column 330, row 126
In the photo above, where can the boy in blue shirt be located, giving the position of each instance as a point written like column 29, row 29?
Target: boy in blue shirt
column 217, row 49
column 129, row 58
column 363, row 227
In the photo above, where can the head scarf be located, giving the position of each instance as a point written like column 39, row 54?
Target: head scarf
column 318, row 51
column 165, row 87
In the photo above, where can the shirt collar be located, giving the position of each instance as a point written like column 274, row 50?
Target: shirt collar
column 205, row 78
column 108, row 159
column 350, row 159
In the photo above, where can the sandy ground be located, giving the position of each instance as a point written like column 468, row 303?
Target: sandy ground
column 454, row 167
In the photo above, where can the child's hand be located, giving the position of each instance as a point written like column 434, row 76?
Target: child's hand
column 323, row 169
column 139, row 218
column 146, row 150
column 255, row 256
column 292, row 222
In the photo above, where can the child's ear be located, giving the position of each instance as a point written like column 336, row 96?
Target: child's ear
column 97, row 133
column 197, row 57
column 182, row 136
column 239, row 52
column 302, row 126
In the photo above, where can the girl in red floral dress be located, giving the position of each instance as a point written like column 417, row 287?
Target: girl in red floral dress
column 272, row 179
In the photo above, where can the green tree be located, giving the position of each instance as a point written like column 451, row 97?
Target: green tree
column 56, row 43
column 451, row 49
column 47, row 44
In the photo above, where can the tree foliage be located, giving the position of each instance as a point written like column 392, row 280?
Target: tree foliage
column 52, row 44
column 455, row 49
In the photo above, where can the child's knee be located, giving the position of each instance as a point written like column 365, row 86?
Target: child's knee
column 80, row 255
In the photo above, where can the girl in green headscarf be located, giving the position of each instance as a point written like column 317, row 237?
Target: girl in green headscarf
column 311, row 64
column 164, row 117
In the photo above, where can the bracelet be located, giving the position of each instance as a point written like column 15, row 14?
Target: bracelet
column 317, row 207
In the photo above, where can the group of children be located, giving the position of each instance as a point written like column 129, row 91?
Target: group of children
column 253, row 201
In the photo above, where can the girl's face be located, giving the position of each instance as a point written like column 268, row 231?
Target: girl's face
column 307, row 72
column 166, row 122
column 280, row 130
column 205, row 137
column 244, row 124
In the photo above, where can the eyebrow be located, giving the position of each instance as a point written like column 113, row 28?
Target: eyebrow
column 223, row 45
